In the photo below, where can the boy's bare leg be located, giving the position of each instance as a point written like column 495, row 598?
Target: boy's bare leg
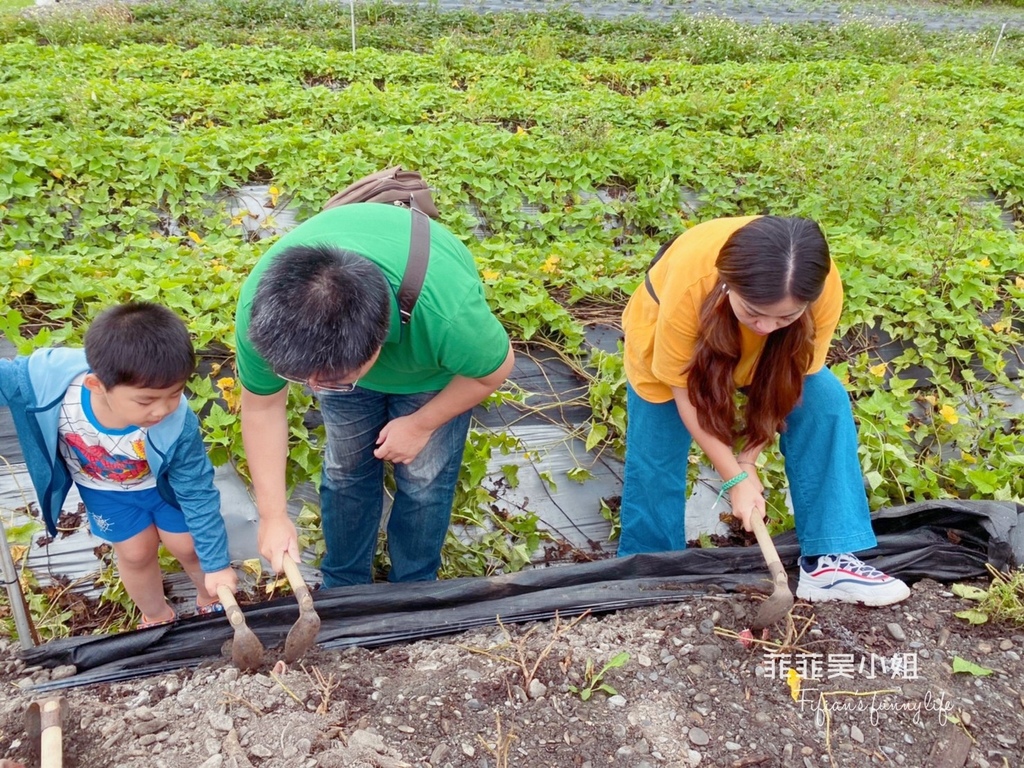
column 181, row 546
column 139, row 568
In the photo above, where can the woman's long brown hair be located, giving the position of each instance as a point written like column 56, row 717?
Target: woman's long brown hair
column 766, row 261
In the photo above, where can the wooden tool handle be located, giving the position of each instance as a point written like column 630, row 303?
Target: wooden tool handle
column 291, row 570
column 51, row 747
column 771, row 556
column 227, row 599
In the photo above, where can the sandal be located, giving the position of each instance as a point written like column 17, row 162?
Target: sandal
column 146, row 623
column 209, row 610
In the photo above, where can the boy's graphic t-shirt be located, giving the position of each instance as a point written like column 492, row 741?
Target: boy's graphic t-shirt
column 100, row 458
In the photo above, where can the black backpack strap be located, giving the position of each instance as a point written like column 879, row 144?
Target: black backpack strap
column 655, row 260
column 416, row 267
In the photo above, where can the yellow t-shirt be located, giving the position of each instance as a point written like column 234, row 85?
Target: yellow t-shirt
column 660, row 338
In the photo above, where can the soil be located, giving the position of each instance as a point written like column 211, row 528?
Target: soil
column 880, row 690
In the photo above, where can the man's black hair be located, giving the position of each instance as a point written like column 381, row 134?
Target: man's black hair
column 319, row 311
column 140, row 344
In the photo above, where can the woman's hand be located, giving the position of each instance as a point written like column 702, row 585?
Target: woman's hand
column 746, row 498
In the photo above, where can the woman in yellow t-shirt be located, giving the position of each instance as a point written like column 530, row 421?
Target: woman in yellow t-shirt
column 747, row 303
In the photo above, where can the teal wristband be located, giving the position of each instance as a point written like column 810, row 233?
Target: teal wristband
column 729, row 484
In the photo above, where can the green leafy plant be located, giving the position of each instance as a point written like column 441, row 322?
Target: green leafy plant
column 594, row 678
column 962, row 666
column 1002, row 602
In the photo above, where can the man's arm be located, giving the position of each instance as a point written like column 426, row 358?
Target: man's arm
column 402, row 439
column 265, row 438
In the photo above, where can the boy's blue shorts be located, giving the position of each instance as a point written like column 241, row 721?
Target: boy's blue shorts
column 115, row 516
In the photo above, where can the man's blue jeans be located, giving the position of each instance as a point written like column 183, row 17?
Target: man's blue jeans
column 825, row 482
column 352, row 491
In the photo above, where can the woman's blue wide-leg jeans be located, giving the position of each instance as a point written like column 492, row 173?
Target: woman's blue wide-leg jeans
column 352, row 490
column 820, row 445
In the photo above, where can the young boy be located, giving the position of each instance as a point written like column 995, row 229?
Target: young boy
column 113, row 419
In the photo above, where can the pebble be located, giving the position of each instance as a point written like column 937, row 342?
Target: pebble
column 617, row 700
column 214, row 762
column 856, row 734
column 145, row 727
column 537, row 689
column 707, row 627
column 63, row 671
column 1005, row 645
column 437, row 756
column 896, row 631
column 709, row 652
column 221, row 722
column 699, row 737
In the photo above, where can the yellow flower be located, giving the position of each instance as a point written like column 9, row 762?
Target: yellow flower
column 550, row 265
column 1019, row 282
column 491, row 274
column 1001, row 326
column 985, row 263
column 948, row 412
column 793, row 681
column 274, row 194
column 877, row 370
column 195, row 238
column 231, row 396
column 25, row 261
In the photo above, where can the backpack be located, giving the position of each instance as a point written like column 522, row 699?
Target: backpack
column 655, row 260
column 396, row 186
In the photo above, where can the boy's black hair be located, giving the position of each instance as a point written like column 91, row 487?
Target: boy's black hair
column 139, row 344
column 319, row 310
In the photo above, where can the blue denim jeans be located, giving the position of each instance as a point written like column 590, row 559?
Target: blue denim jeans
column 352, row 490
column 825, row 482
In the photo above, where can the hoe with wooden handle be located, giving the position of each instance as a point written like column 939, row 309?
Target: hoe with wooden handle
column 45, row 721
column 246, row 648
column 778, row 604
column 302, row 635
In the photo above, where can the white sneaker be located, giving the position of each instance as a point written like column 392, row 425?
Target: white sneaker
column 848, row 579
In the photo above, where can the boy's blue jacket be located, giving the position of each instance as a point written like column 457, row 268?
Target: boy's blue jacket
column 33, row 388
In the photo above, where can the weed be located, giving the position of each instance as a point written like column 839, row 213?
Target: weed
column 594, row 680
column 523, row 658
column 1001, row 603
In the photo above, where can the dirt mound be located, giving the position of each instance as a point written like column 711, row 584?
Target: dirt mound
column 876, row 687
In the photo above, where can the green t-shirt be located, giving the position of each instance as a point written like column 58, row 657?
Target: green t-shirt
column 452, row 330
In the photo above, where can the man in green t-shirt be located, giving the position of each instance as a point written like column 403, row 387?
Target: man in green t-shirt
column 320, row 308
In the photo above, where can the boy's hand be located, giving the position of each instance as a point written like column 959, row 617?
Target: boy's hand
column 226, row 577
column 275, row 536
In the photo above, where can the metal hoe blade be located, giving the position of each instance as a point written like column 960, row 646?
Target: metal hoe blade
column 246, row 648
column 302, row 635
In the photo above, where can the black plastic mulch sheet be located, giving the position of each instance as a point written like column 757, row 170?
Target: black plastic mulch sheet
column 946, row 541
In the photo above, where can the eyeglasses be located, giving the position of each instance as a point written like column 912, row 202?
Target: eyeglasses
column 339, row 387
